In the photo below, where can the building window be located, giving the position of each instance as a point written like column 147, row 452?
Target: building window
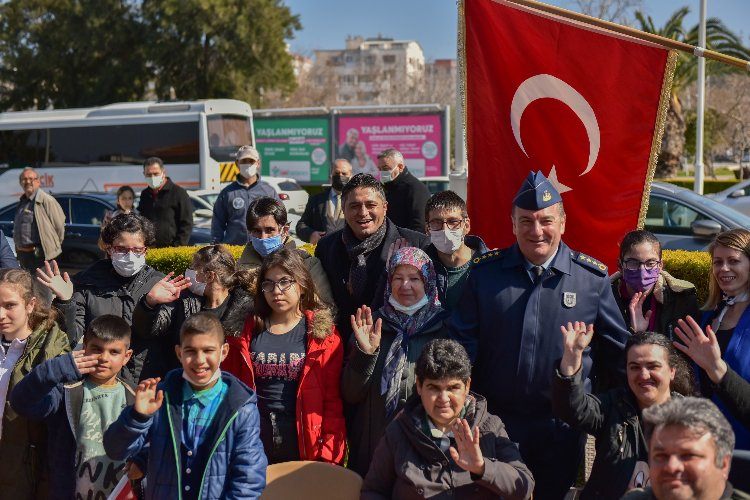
column 389, row 59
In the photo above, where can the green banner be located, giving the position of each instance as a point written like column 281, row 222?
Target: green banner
column 296, row 147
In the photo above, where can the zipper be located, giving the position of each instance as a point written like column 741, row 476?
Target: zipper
column 213, row 450
column 622, row 433
column 174, row 446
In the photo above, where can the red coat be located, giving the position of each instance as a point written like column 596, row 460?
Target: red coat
column 321, row 430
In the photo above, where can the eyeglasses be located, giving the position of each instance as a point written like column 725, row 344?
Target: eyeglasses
column 134, row 250
column 29, row 179
column 634, row 264
column 437, row 224
column 283, row 285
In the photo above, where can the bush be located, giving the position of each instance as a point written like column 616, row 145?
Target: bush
column 709, row 185
column 689, row 266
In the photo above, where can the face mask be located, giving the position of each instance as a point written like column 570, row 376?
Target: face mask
column 155, row 181
column 408, row 310
column 338, row 181
column 196, row 286
column 386, row 176
column 266, row 246
column 247, row 170
column 640, row 279
column 128, row 264
column 447, row 241
column 213, row 378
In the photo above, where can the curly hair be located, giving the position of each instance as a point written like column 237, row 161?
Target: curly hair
column 129, row 223
column 442, row 359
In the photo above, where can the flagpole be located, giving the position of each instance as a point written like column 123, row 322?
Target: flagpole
column 632, row 32
column 700, row 109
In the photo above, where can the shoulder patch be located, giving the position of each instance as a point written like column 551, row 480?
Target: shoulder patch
column 489, row 256
column 589, row 262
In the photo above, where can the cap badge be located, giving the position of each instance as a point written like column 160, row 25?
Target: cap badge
column 569, row 299
column 546, row 196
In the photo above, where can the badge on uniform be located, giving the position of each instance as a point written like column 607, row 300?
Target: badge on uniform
column 569, row 299
column 238, row 203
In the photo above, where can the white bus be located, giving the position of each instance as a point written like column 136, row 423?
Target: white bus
column 103, row 148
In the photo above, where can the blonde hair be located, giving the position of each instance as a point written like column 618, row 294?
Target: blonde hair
column 735, row 239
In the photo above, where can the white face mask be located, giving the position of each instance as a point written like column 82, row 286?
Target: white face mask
column 447, row 240
column 128, row 264
column 213, row 378
column 196, row 286
column 155, row 181
column 408, row 310
column 247, row 170
column 387, row 176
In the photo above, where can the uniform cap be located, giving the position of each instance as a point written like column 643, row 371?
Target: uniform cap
column 536, row 193
column 247, row 152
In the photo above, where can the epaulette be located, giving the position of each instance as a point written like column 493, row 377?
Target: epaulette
column 489, row 256
column 589, row 262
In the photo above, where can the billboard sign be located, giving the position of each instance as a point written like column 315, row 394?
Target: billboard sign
column 296, row 147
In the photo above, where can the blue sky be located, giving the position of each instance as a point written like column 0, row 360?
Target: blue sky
column 326, row 23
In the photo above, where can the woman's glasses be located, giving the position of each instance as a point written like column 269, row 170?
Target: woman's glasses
column 283, row 285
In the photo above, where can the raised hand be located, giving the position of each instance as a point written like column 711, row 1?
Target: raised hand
column 167, row 289
column 467, row 453
column 147, row 399
column 85, row 363
column 638, row 320
column 366, row 333
column 703, row 348
column 576, row 337
column 59, row 285
column 394, row 247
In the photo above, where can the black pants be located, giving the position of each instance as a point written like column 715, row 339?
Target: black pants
column 278, row 432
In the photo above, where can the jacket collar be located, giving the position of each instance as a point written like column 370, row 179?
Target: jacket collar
column 561, row 262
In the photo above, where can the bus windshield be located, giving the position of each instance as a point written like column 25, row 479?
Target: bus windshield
column 226, row 133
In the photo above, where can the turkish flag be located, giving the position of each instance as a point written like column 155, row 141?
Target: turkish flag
column 544, row 93
column 123, row 490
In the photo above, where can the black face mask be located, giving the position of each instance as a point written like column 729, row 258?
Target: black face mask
column 338, row 181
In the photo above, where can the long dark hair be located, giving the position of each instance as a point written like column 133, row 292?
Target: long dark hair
column 120, row 191
column 684, row 378
column 218, row 259
column 22, row 281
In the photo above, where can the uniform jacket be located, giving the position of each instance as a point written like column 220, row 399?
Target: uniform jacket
column 171, row 213
column 100, row 290
column 314, row 217
column 675, row 299
column 251, row 259
column 332, row 254
column 50, row 221
column 511, row 328
column 407, row 197
column 321, row 431
column 23, row 445
column 360, row 387
column 228, row 224
column 232, row 464
column 7, row 257
column 441, row 272
column 53, row 393
column 409, row 465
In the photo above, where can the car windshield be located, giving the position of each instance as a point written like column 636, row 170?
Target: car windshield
column 210, row 198
column 710, row 204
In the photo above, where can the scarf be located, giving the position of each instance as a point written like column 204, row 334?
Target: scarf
column 405, row 325
column 358, row 251
column 727, row 301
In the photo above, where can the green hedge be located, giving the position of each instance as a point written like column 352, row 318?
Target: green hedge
column 709, row 185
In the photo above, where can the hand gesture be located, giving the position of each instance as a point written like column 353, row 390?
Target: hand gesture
column 147, row 399
column 467, row 453
column 85, row 363
column 397, row 245
column 50, row 277
column 315, row 237
column 167, row 289
column 366, row 333
column 703, row 348
column 576, row 337
column 638, row 320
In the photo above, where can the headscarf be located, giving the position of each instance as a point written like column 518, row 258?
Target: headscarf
column 405, row 325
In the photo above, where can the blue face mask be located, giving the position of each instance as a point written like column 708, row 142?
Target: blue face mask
column 266, row 246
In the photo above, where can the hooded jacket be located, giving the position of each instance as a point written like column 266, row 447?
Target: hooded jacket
column 321, row 431
column 409, row 465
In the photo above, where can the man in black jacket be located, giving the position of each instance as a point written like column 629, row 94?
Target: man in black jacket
column 324, row 211
column 166, row 205
column 406, row 195
column 354, row 258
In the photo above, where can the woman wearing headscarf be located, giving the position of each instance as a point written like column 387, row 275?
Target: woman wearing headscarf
column 379, row 375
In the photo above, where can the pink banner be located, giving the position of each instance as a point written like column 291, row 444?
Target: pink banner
column 418, row 137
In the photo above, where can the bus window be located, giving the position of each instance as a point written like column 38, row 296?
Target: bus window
column 226, row 133
column 22, row 148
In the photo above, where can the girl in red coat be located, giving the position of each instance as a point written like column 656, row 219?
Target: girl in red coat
column 291, row 354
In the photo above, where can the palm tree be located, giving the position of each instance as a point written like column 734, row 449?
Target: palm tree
column 718, row 38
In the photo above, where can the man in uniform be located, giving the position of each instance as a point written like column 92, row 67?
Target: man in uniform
column 509, row 317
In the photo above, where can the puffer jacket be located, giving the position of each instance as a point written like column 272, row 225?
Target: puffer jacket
column 360, row 387
column 321, row 431
column 408, row 464
column 23, row 445
column 166, row 320
column 100, row 290
column 230, row 463
column 53, row 393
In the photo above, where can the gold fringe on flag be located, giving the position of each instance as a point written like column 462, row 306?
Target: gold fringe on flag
column 462, row 103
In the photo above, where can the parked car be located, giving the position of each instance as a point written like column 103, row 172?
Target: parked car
column 84, row 213
column 685, row 220
column 291, row 193
column 436, row 184
column 736, row 197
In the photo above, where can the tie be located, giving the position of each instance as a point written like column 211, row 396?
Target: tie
column 337, row 209
column 537, row 271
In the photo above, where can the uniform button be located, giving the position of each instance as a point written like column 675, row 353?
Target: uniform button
column 187, row 488
column 187, row 471
column 189, row 453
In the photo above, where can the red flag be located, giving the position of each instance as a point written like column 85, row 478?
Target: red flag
column 123, row 490
column 579, row 103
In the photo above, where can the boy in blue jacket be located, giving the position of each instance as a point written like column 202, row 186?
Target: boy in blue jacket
column 200, row 426
column 79, row 395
